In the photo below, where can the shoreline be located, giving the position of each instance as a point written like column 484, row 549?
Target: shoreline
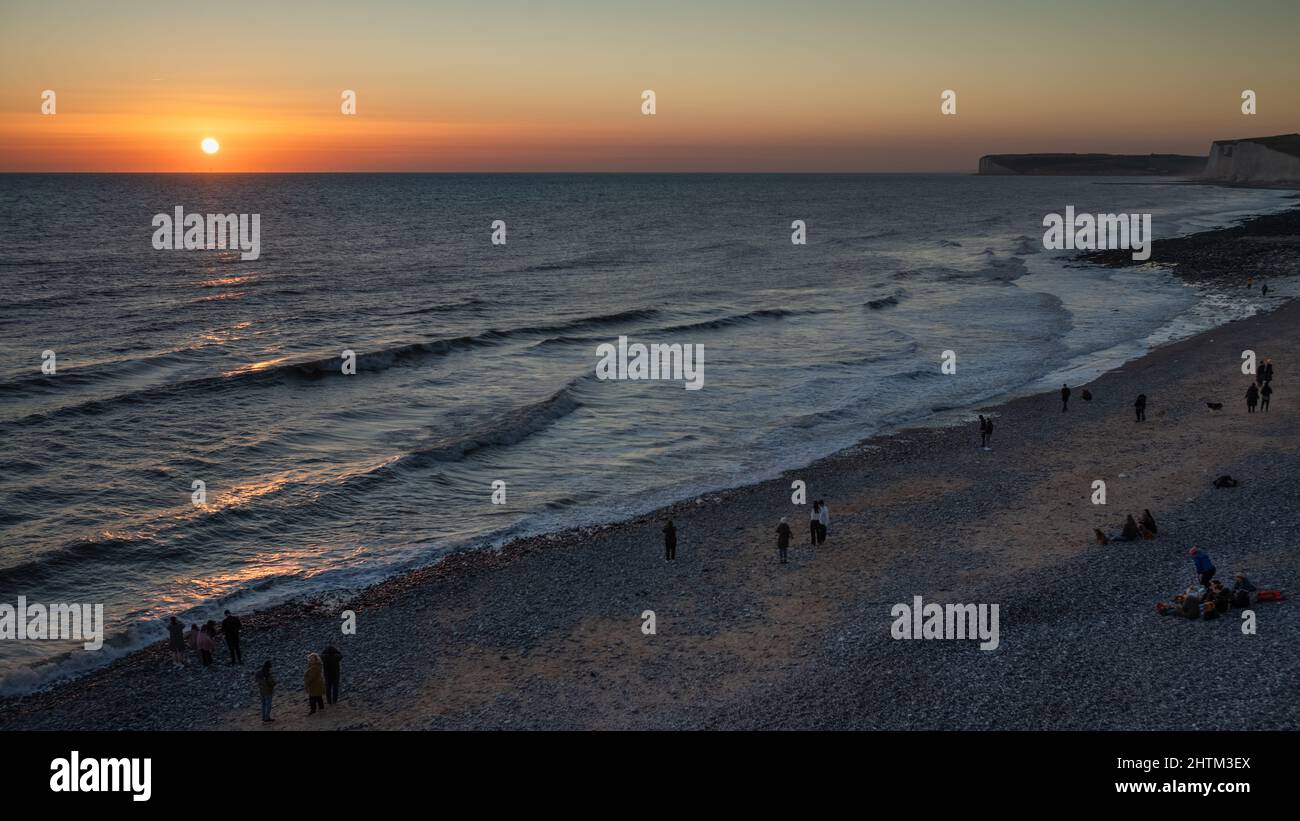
column 910, row 446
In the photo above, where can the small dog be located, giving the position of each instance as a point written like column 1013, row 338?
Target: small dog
column 1214, row 405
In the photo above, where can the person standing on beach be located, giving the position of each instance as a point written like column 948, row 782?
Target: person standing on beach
column 1149, row 521
column 230, row 629
column 1140, row 405
column 782, row 539
column 176, row 641
column 1252, row 398
column 1204, row 566
column 824, row 523
column 1263, row 289
column 265, row 687
column 314, row 682
column 984, row 432
column 814, row 523
column 330, row 658
column 1268, row 371
column 203, row 641
column 670, row 542
column 1264, row 396
column 988, row 433
column 192, row 639
column 1065, row 398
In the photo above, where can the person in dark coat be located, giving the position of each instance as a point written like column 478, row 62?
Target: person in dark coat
column 783, row 538
column 1252, row 398
column 670, row 542
column 330, row 658
column 176, row 641
column 1149, row 521
column 230, row 629
column 1265, row 394
column 1065, row 398
column 265, row 688
column 1140, row 405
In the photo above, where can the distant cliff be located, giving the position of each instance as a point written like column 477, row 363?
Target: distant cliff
column 1092, row 165
column 1258, row 159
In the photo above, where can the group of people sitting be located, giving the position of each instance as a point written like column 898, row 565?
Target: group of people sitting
column 1209, row 602
column 1132, row 530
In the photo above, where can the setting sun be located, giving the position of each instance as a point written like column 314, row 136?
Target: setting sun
column 210, row 145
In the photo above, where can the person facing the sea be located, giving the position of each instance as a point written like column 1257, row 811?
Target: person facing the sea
column 1065, row 398
column 230, row 629
column 814, row 523
column 782, row 539
column 1264, row 396
column 988, row 433
column 330, row 659
column 1149, row 521
column 1140, row 406
column 824, row 522
column 314, row 683
column 265, row 688
column 984, row 432
column 176, row 641
column 1204, row 565
column 1252, row 398
column 670, row 542
column 203, row 641
column 1268, row 371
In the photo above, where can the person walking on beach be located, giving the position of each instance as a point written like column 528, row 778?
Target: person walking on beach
column 670, row 542
column 824, row 523
column 1204, row 565
column 1264, row 397
column 314, row 682
column 783, row 539
column 330, row 659
column 984, row 432
column 265, row 687
column 203, row 641
column 814, row 522
column 1263, row 289
column 1268, row 371
column 1140, row 405
column 176, row 641
column 1252, row 398
column 1065, row 398
column 230, row 629
column 988, row 433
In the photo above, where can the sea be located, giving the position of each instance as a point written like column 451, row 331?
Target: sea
column 199, row 446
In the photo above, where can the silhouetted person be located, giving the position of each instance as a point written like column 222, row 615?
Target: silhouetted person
column 1263, row 289
column 984, row 432
column 1065, row 398
column 1130, row 531
column 230, row 629
column 314, row 682
column 783, row 538
column 1268, row 371
column 1265, row 393
column 670, row 542
column 1204, row 566
column 1140, row 405
column 814, row 522
column 176, row 641
column 1149, row 521
column 823, row 522
column 330, row 659
column 988, row 432
column 1252, row 398
column 265, row 687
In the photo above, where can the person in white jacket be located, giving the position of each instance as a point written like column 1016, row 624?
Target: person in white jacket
column 825, row 519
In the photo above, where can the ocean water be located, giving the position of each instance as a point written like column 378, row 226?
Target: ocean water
column 476, row 362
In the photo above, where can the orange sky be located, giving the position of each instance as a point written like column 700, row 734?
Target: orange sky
column 514, row 86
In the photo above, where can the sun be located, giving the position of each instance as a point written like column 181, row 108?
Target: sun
column 210, row 145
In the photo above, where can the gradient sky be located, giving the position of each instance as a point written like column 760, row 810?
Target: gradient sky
column 556, row 86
